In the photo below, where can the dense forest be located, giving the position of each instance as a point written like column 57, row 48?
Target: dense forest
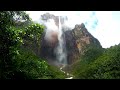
column 16, row 61
column 98, row 64
column 19, row 36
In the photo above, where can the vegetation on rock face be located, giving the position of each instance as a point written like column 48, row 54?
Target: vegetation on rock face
column 99, row 65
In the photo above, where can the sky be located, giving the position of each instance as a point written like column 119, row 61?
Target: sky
column 103, row 25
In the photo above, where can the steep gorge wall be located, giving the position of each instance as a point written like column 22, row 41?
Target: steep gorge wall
column 75, row 40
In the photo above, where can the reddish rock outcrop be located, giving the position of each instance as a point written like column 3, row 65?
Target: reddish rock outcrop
column 76, row 41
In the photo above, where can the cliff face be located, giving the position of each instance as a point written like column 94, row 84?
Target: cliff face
column 48, row 16
column 76, row 41
column 47, row 49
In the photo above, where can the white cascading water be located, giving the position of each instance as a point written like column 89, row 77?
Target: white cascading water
column 61, row 54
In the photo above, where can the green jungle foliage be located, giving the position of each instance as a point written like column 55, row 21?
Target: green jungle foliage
column 17, row 62
column 99, row 64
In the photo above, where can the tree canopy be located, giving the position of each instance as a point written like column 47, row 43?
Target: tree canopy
column 16, row 62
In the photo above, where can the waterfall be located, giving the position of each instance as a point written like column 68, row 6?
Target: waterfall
column 60, row 50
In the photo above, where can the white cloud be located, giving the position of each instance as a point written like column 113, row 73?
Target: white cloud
column 106, row 31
